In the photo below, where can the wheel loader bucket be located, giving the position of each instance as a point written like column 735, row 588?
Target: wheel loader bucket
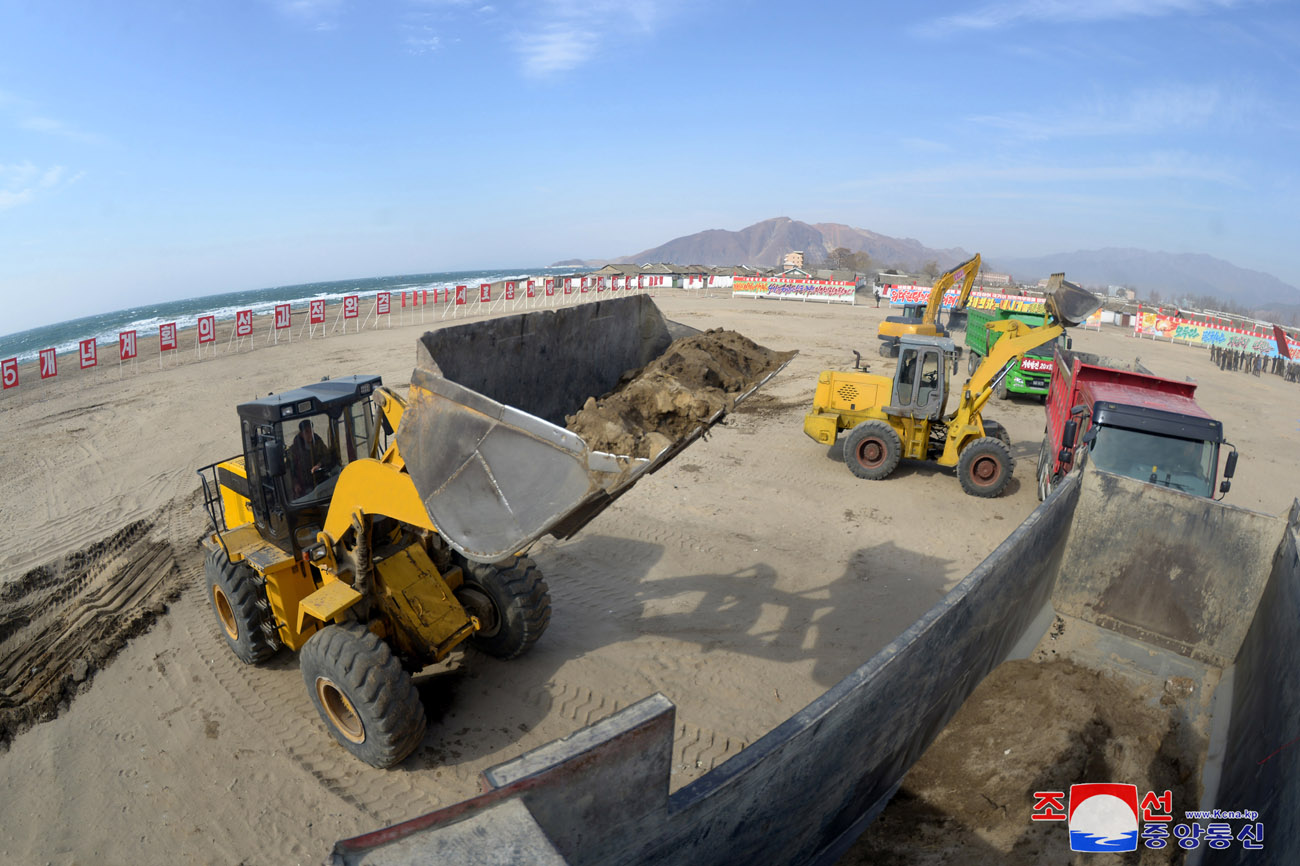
column 482, row 435
column 1069, row 303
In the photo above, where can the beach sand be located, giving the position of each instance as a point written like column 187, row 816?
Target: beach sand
column 742, row 580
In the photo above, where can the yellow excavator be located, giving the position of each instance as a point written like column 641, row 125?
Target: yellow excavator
column 924, row 321
column 373, row 534
column 889, row 419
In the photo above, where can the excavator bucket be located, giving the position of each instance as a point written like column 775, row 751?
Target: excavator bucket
column 483, row 434
column 1069, row 303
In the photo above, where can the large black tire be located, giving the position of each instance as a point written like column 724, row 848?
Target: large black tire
column 1001, row 390
column 984, row 467
column 872, row 450
column 241, row 607
column 972, row 364
column 998, row 432
column 362, row 694
column 886, row 350
column 511, row 601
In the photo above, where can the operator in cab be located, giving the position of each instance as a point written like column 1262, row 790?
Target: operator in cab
column 309, row 459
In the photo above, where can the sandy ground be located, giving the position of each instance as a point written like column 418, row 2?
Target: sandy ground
column 742, row 580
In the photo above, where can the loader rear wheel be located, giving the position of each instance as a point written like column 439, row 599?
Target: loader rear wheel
column 872, row 450
column 511, row 601
column 241, row 607
column 984, row 467
column 362, row 694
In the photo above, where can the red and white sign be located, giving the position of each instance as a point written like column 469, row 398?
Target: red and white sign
column 568, row 286
column 126, row 347
column 382, row 302
column 351, row 304
column 510, row 291
column 282, row 316
column 49, row 363
column 600, row 284
column 243, row 323
column 460, row 294
column 167, row 337
column 9, row 372
column 583, row 288
column 317, row 312
column 550, row 286
column 88, row 354
column 485, row 293
column 207, row 331
column 531, row 292
column 1035, row 365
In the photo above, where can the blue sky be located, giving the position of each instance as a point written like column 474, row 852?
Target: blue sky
column 158, row 149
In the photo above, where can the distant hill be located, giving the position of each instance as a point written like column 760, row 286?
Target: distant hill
column 1173, row 275
column 767, row 242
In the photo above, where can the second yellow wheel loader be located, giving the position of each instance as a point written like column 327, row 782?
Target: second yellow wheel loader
column 907, row 416
column 374, row 534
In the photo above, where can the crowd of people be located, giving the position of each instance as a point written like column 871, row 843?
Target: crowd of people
column 1248, row 362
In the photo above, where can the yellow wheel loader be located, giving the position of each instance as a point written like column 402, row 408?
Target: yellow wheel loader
column 918, row 321
column 374, row 534
column 907, row 416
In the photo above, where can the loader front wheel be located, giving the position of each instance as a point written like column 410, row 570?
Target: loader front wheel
column 872, row 450
column 984, row 467
column 241, row 607
column 362, row 694
column 511, row 601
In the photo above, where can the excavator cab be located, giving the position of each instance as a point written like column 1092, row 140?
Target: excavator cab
column 296, row 444
column 921, row 378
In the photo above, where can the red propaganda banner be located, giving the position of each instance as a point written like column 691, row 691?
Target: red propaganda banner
column 207, row 331
column 531, row 286
column 583, row 288
column 282, row 316
column 485, row 293
column 550, row 287
column 510, row 291
column 126, row 348
column 243, row 323
column 382, row 302
column 167, row 337
column 600, row 284
column 88, row 354
column 568, row 286
column 351, row 304
column 424, row 297
column 9, row 372
column 49, row 363
column 461, row 292
column 404, row 298
column 317, row 312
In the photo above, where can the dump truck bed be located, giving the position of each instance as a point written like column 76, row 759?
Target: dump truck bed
column 483, row 433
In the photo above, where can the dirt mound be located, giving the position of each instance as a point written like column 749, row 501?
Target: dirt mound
column 694, row 379
column 1028, row 727
column 61, row 622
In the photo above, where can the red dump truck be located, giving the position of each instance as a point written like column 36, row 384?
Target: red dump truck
column 1130, row 422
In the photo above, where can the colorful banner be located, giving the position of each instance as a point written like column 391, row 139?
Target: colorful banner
column 903, row 295
column 789, row 289
column 1205, row 334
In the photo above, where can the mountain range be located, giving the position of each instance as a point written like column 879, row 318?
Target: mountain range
column 1173, row 275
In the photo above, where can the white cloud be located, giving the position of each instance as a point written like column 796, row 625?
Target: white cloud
column 996, row 16
column 566, row 33
column 556, row 49
column 22, row 183
column 317, row 14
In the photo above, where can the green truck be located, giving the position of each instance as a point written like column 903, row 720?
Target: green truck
column 1030, row 375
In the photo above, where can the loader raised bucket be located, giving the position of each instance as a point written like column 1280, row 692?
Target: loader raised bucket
column 482, row 435
column 1069, row 303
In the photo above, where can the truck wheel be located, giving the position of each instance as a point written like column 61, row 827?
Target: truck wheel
column 973, row 364
column 512, row 603
column 984, row 467
column 362, row 694
column 1001, row 390
column 1044, row 471
column 241, row 607
column 872, row 450
column 886, row 350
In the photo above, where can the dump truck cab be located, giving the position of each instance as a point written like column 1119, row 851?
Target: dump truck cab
column 296, row 444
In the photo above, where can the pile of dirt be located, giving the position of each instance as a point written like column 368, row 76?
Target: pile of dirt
column 655, row 406
column 1030, row 726
column 61, row 622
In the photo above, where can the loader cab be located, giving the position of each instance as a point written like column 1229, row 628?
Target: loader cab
column 296, row 444
column 921, row 379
